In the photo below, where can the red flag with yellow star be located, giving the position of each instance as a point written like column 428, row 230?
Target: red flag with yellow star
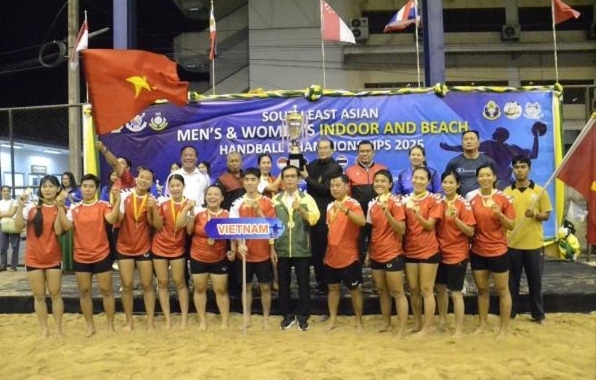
column 578, row 170
column 121, row 83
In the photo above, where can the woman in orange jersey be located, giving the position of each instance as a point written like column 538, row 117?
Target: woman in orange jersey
column 168, row 245
column 494, row 215
column 138, row 208
column 385, row 255
column 208, row 256
column 454, row 231
column 91, row 247
column 421, row 248
column 43, row 253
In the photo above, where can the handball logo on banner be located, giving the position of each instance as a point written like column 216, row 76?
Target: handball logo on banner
column 491, row 110
column 533, row 111
column 512, row 110
column 137, row 124
column 158, row 122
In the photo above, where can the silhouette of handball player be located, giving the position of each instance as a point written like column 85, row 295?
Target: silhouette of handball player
column 502, row 153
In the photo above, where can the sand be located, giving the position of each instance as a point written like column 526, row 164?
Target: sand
column 564, row 348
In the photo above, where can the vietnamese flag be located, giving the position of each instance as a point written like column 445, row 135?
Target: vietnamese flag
column 578, row 170
column 121, row 83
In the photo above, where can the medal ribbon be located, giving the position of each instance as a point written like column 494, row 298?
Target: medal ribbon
column 174, row 213
column 137, row 212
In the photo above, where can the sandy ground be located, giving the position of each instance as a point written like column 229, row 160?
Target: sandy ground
column 564, row 348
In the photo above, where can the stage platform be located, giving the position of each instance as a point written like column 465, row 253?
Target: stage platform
column 568, row 287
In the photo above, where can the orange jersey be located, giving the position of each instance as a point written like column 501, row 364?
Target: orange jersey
column 419, row 243
column 489, row 237
column 200, row 249
column 385, row 242
column 342, row 244
column 454, row 245
column 258, row 249
column 133, row 238
column 90, row 236
column 43, row 251
column 169, row 241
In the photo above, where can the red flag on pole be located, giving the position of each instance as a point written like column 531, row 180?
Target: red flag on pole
column 564, row 12
column 122, row 83
column 578, row 170
column 334, row 28
column 212, row 35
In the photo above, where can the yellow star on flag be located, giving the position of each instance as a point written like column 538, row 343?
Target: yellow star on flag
column 139, row 83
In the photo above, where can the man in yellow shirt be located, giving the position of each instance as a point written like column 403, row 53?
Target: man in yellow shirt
column 526, row 249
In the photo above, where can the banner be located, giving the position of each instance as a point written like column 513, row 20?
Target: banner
column 509, row 123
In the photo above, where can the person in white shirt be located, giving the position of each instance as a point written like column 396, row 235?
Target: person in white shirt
column 8, row 208
column 195, row 182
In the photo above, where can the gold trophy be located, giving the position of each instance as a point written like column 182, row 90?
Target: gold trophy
column 294, row 128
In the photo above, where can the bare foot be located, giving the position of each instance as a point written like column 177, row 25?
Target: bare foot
column 265, row 323
column 127, row 327
column 330, row 325
column 202, row 326
column 224, row 326
column 415, row 329
column 456, row 334
column 501, row 335
column 400, row 334
column 184, row 322
column 90, row 331
column 111, row 330
column 58, row 333
column 45, row 333
column 480, row 330
column 168, row 324
column 359, row 327
column 385, row 328
column 423, row 332
column 150, row 326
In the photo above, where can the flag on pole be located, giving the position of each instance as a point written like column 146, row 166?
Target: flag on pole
column 578, row 170
column 406, row 16
column 122, row 83
column 564, row 12
column 212, row 35
column 333, row 27
column 81, row 44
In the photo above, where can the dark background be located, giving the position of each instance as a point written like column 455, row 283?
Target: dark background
column 26, row 25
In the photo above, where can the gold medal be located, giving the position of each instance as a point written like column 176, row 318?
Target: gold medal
column 210, row 241
column 291, row 224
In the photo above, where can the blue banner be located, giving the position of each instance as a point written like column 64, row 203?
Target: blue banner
column 509, row 123
column 244, row 228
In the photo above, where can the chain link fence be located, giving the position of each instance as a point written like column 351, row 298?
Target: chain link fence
column 34, row 141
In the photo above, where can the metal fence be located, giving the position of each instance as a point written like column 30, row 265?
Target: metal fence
column 34, row 141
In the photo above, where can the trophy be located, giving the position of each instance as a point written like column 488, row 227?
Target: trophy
column 294, row 128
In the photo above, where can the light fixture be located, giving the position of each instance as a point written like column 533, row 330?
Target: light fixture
column 51, row 151
column 15, row 146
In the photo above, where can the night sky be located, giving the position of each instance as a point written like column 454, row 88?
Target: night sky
column 25, row 25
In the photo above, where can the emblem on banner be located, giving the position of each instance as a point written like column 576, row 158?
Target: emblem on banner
column 491, row 110
column 533, row 111
column 158, row 122
column 137, row 124
column 512, row 110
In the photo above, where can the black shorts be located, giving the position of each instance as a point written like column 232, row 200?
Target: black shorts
column 434, row 259
column 155, row 256
column 396, row 264
column 104, row 265
column 351, row 276
column 29, row 269
column 200, row 267
column 452, row 275
column 263, row 270
column 496, row 264
column 144, row 257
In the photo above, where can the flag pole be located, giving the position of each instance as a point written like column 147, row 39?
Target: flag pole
column 417, row 42
column 212, row 20
column 572, row 150
column 552, row 11
column 322, row 42
column 213, row 76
